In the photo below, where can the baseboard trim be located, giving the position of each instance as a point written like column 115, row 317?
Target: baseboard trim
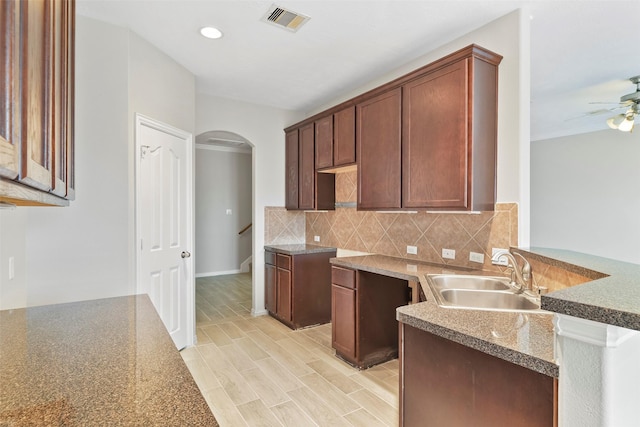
column 217, row 273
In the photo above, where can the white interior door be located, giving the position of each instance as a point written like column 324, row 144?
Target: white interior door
column 164, row 183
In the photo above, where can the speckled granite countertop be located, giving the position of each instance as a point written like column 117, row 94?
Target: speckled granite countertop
column 523, row 339
column 101, row 362
column 613, row 297
column 296, row 249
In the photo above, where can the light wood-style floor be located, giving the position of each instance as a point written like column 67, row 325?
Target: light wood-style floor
column 254, row 371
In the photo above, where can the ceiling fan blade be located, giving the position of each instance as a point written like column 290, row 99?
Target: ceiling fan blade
column 621, row 104
column 594, row 113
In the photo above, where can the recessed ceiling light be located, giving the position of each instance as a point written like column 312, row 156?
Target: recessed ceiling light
column 211, row 32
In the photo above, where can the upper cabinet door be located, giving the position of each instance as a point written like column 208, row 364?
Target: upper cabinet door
column 62, row 78
column 69, row 93
column 291, row 165
column 378, row 150
column 307, row 171
column 10, row 89
column 344, row 137
column 435, row 141
column 324, row 142
column 38, row 129
column 37, row 49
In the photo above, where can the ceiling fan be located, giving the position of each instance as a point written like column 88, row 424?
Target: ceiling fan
column 625, row 122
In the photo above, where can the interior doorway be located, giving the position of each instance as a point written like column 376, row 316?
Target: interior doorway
column 223, row 205
column 164, row 227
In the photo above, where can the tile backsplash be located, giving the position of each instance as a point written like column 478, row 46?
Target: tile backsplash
column 430, row 232
column 555, row 277
column 283, row 226
column 390, row 233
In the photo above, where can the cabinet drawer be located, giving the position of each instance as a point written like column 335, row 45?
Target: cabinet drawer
column 270, row 257
column 343, row 277
column 284, row 261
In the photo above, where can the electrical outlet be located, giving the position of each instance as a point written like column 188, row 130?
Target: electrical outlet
column 448, row 253
column 500, row 261
column 412, row 268
column 12, row 272
column 412, row 250
column 229, row 211
column 476, row 257
column 316, row 238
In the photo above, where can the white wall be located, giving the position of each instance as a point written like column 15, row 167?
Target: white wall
column 508, row 36
column 584, row 194
column 223, row 181
column 13, row 292
column 263, row 127
column 82, row 252
column 87, row 250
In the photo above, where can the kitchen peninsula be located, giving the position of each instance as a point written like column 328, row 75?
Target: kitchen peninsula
column 601, row 313
column 460, row 367
column 100, row 362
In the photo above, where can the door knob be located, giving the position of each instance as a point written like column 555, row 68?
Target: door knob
column 185, row 254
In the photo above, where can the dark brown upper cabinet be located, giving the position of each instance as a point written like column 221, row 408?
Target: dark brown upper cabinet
column 36, row 101
column 344, row 137
column 426, row 140
column 10, row 93
column 304, row 188
column 291, row 166
column 378, row 150
column 307, row 172
column 324, row 142
column 449, row 137
column 336, row 139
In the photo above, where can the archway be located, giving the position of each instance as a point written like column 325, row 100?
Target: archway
column 223, row 203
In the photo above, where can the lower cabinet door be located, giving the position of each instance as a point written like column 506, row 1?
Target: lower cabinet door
column 445, row 383
column 343, row 320
column 284, row 295
column 270, row 279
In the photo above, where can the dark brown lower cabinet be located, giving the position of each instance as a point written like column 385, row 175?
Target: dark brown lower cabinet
column 443, row 383
column 270, row 283
column 343, row 320
column 283, row 292
column 363, row 322
column 298, row 287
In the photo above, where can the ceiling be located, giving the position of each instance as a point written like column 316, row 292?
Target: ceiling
column 581, row 51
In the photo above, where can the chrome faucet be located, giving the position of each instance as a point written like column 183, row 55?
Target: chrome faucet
column 522, row 276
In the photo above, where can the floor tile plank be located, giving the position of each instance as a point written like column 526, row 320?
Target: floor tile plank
column 256, row 413
column 289, row 414
column 329, row 393
column 376, row 406
column 257, row 371
column 316, row 408
column 269, row 391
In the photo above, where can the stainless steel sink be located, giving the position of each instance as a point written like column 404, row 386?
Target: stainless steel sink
column 479, row 293
column 489, row 300
column 455, row 281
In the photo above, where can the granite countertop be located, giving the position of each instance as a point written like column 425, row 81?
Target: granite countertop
column 522, row 338
column 612, row 297
column 299, row 248
column 101, row 362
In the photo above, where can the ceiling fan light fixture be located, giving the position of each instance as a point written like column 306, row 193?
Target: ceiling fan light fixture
column 612, row 122
column 627, row 124
column 615, row 121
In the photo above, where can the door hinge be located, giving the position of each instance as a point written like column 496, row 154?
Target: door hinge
column 143, row 151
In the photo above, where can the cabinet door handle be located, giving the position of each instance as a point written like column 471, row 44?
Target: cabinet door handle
column 185, row 254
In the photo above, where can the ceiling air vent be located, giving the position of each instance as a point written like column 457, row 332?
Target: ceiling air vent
column 284, row 18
